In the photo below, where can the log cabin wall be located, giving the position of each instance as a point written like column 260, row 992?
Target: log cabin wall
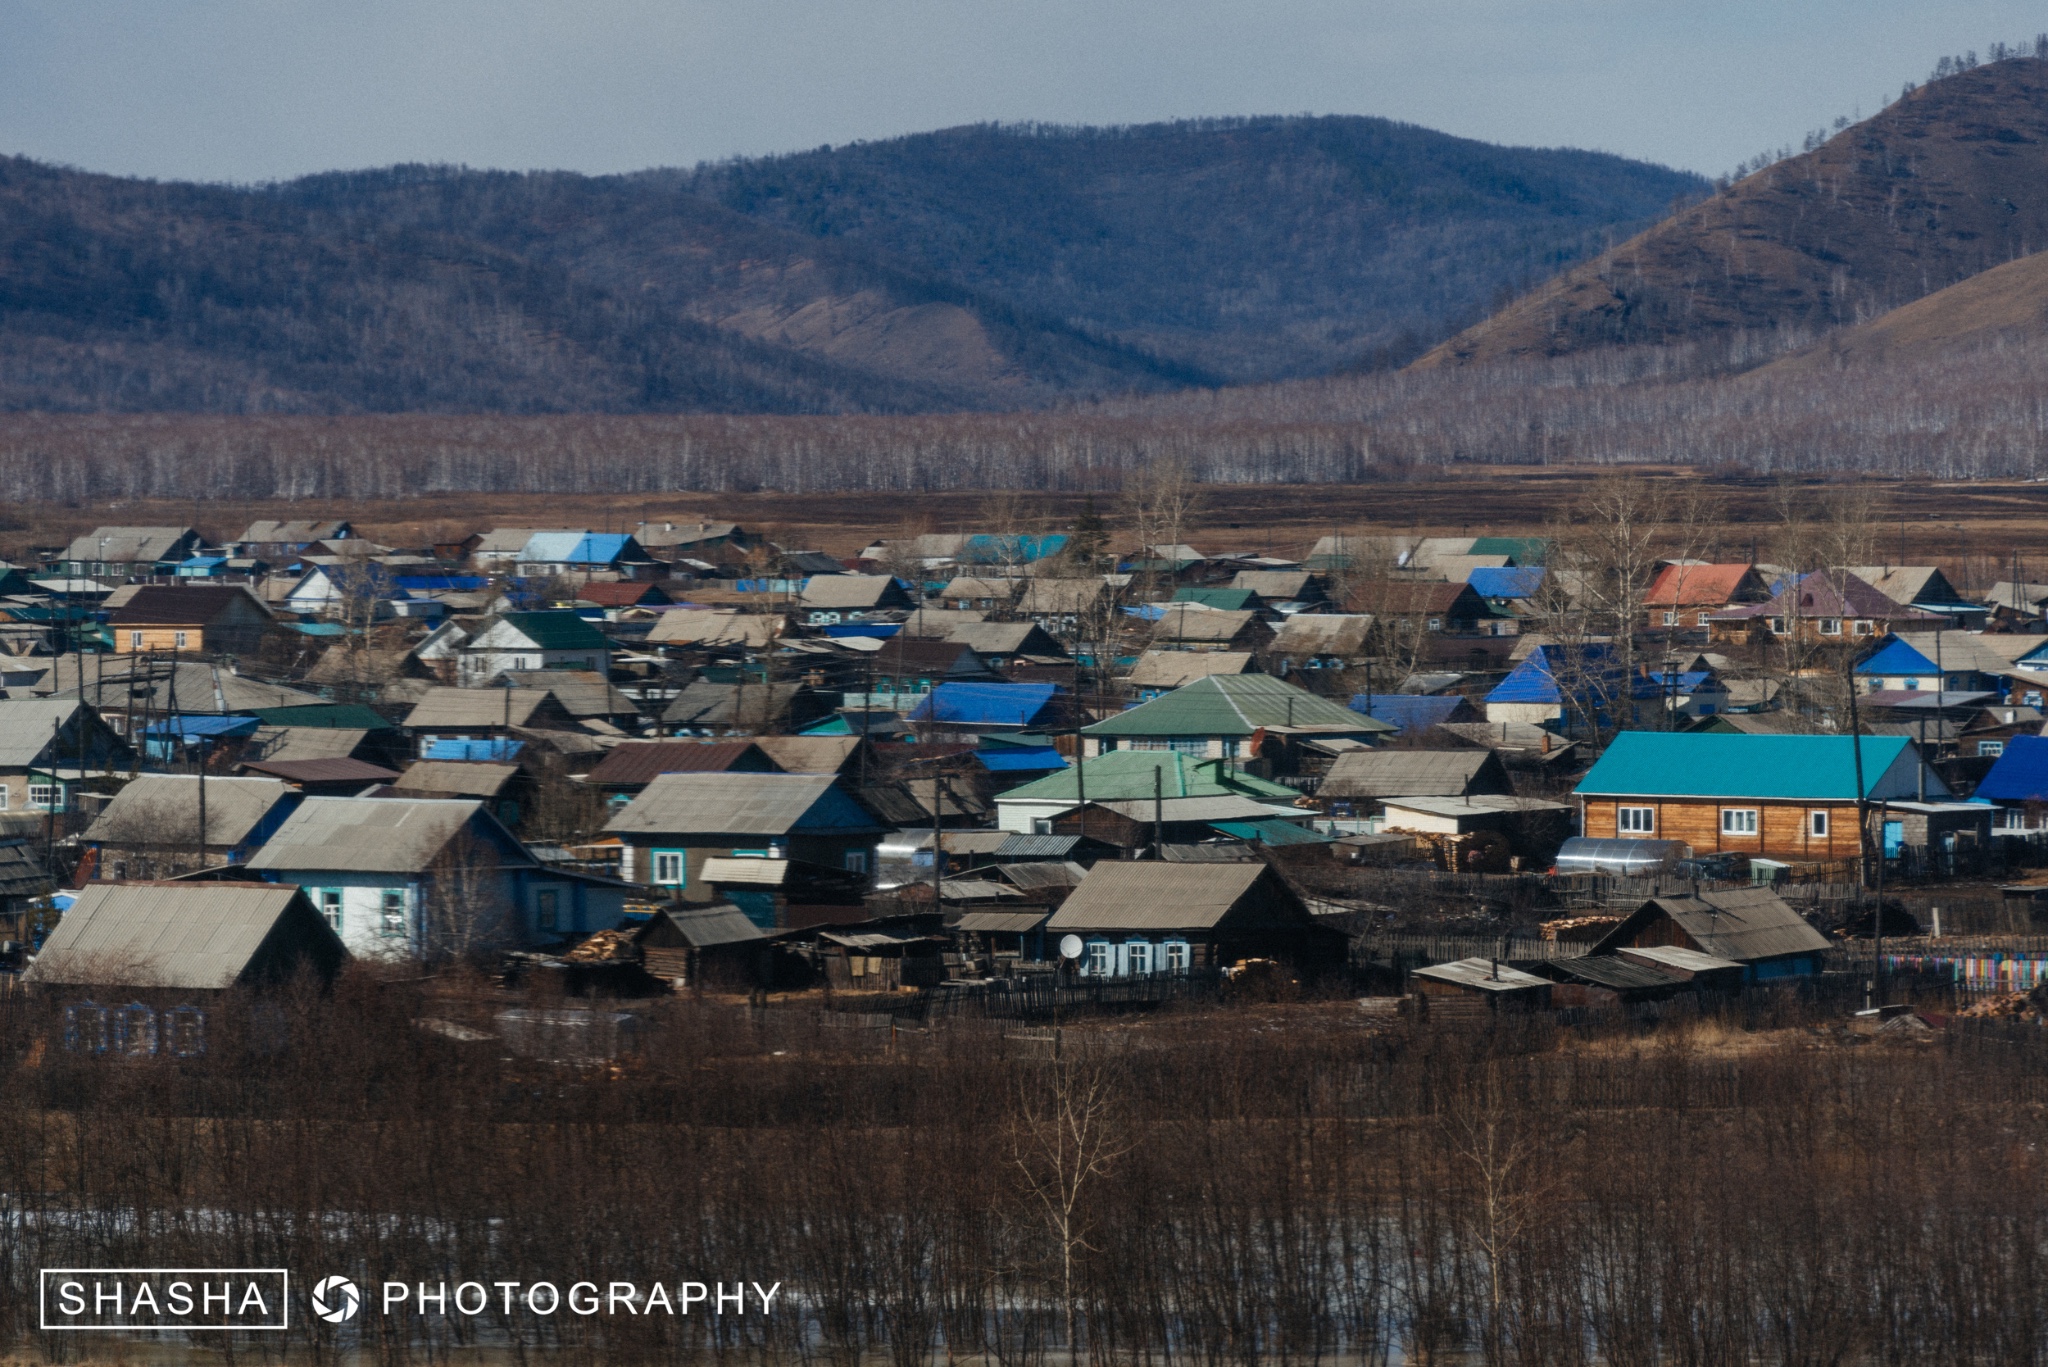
column 1785, row 828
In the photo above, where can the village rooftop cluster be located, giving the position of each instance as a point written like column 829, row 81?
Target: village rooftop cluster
column 686, row 757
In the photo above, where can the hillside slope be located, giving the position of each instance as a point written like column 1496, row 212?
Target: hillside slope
column 1948, row 182
column 983, row 268
column 2007, row 303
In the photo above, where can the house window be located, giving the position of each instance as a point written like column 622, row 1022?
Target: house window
column 47, row 796
column 1041, row 825
column 668, row 867
column 1175, row 956
column 547, row 908
column 135, row 640
column 856, row 861
column 1830, row 626
column 1138, row 957
column 180, row 639
column 1738, row 821
column 330, row 907
column 1777, row 625
column 3, row 797
column 1670, row 619
column 1817, row 822
column 1635, row 821
column 391, row 913
column 1984, row 747
column 1098, row 958
column 1703, row 619
column 1861, row 628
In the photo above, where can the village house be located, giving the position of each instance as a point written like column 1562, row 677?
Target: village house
column 215, row 619
column 505, row 789
column 1752, row 927
column 151, row 828
column 1159, row 672
column 117, row 553
column 1360, row 781
column 707, row 946
column 1793, row 798
column 1191, row 626
column 186, row 937
column 991, row 708
column 1235, row 716
column 829, row 599
column 1405, row 610
column 1826, row 607
column 429, row 878
column 632, row 765
column 1686, row 594
column 335, row 776
column 466, row 714
column 969, row 592
column 532, row 640
column 1924, row 587
column 1060, row 606
column 281, row 541
column 1130, row 776
column 680, row 820
column 1315, row 642
column 549, row 554
column 1136, row 919
column 46, row 746
column 499, row 549
column 743, row 708
column 786, row 894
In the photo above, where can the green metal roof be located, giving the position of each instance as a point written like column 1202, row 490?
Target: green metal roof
column 1707, row 764
column 1230, row 600
column 1523, row 550
column 1126, row 776
column 1233, row 705
column 557, row 630
column 341, row 716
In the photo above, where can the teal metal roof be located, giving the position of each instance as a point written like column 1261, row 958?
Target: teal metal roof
column 1704, row 764
column 1126, row 776
column 557, row 630
column 1233, row 705
column 1277, row 831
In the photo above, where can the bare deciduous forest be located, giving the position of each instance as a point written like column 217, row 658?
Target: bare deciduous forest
column 1260, row 1183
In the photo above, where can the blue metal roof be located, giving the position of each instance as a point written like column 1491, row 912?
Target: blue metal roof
column 1537, row 679
column 1408, row 711
column 880, row 631
column 1002, row 550
column 2021, row 774
column 575, row 548
column 1508, row 582
column 191, row 728
column 982, row 704
column 492, row 748
column 1705, row 764
column 441, row 583
column 1021, row 760
column 1896, row 657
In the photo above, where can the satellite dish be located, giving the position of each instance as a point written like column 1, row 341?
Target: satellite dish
column 1070, row 946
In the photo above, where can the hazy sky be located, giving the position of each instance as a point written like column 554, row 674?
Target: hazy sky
column 258, row 89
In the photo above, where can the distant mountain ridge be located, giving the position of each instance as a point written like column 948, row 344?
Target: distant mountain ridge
column 1950, row 181
column 981, row 268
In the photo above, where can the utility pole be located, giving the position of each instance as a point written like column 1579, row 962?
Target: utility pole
column 1158, row 812
column 202, row 800
column 938, row 835
column 1862, row 817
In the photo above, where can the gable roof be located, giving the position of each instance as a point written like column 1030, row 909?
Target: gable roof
column 1744, row 925
column 2021, row 773
column 624, row 593
column 1703, row 586
column 552, row 630
column 177, row 605
column 1234, row 705
column 127, row 545
column 1895, row 656
column 472, row 707
column 378, row 835
column 1506, row 582
column 586, row 548
column 163, row 809
column 1316, row 633
column 1173, row 668
column 28, row 725
column 194, row 936
column 1908, row 583
column 1791, row 768
column 1556, row 673
column 1414, row 711
column 642, row 761
column 739, row 804
column 850, row 591
column 810, row 754
column 1278, row 586
column 1002, row 638
column 721, row 923
column 1414, row 773
column 331, row 769
column 1061, row 596
column 581, row 692
column 704, row 703
column 986, row 704
column 1123, row 775
column 1193, row 622
column 1143, row 895
column 715, row 627
column 304, row 531
column 455, row 778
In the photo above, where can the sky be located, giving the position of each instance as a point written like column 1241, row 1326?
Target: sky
column 251, row 90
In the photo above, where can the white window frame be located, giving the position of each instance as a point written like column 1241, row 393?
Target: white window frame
column 1632, row 820
column 1138, row 958
column 1100, row 958
column 390, row 900
column 180, row 639
column 668, row 867
column 1828, row 626
column 328, row 902
column 1984, row 747
column 1175, row 956
column 1818, row 823
column 46, row 797
column 1741, row 821
column 855, row 861
column 135, row 640
column 1705, row 619
column 1670, row 619
column 1862, row 626
column 1776, row 624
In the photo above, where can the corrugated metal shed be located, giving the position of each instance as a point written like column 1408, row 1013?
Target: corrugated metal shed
column 1412, row 773
column 1021, row 846
column 1484, row 975
column 1741, row 924
column 721, row 923
column 376, row 835
column 197, row 936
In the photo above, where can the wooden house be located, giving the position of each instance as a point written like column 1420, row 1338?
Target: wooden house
column 1138, row 918
column 187, row 937
column 1778, row 796
column 704, row 946
column 1477, row 987
column 214, row 617
column 1753, row 927
column 1685, row 595
column 681, row 820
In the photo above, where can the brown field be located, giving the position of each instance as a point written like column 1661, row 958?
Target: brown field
column 1971, row 528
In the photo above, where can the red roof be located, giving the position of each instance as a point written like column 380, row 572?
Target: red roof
column 643, row 761
column 622, row 594
column 322, row 770
column 1696, row 586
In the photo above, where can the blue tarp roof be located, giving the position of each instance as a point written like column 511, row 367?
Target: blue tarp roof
column 191, row 728
column 1896, row 657
column 881, row 631
column 1509, row 582
column 441, row 583
column 2021, row 774
column 1151, row 612
column 978, row 704
column 487, row 748
column 1021, row 760
column 1408, row 711
column 317, row 628
column 1537, row 678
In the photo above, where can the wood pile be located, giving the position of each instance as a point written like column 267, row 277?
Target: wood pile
column 2004, row 1006
column 1578, row 929
column 606, row 946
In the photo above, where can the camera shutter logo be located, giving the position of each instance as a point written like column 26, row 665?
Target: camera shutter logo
column 336, row 1299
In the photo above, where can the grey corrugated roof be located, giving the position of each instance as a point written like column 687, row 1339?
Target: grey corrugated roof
column 1403, row 773
column 293, row 744
column 1172, row 668
column 163, row 809
column 1690, row 960
column 1743, row 924
column 186, row 935
column 1485, row 974
column 1021, row 846
column 201, row 688
column 1191, row 809
column 974, row 890
column 721, row 923
column 1000, row 922
column 704, row 703
column 582, row 693
column 21, row 875
column 1193, row 622
column 1609, row 970
column 124, row 545
column 458, row 778
column 475, row 707
column 737, row 804
column 808, row 754
column 1049, row 873
column 767, row 873
column 372, row 834
column 1310, row 633
column 846, row 590
column 26, row 727
column 1137, row 895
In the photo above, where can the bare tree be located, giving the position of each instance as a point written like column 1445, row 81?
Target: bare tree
column 466, row 912
column 1066, row 1134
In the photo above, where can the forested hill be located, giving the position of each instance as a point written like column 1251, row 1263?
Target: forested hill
column 976, row 268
